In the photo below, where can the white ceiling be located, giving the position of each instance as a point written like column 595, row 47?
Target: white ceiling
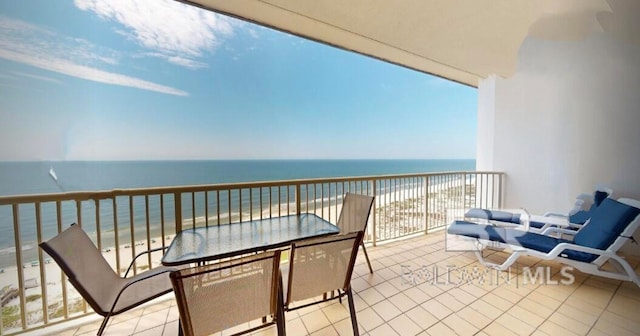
column 462, row 40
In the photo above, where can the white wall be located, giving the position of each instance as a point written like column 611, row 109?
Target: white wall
column 568, row 119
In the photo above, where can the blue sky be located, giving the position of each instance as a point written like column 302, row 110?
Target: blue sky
column 156, row 79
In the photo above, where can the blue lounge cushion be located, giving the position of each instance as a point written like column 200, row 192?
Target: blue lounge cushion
column 582, row 216
column 502, row 216
column 606, row 224
column 599, row 196
column 481, row 231
column 544, row 244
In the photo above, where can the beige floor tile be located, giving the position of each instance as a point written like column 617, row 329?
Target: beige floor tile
column 441, row 329
column 268, row 331
column 570, row 323
column 474, row 317
column 579, row 315
column 336, row 311
column 552, row 328
column 371, row 296
column 315, row 321
column 623, row 322
column 296, row 327
column 487, row 309
column 402, row 302
column 540, row 333
column 496, row 328
column 514, row 324
column 151, row 332
column 421, row 317
column 460, row 325
column 369, row 319
column 123, row 328
column 606, row 326
column 170, row 329
column 386, row 310
column 497, row 301
column 403, row 325
column 327, row 331
column 436, row 308
column 544, row 300
column 525, row 316
column 417, row 295
column 383, row 330
column 152, row 320
column 624, row 306
column 450, row 301
column 579, row 305
column 387, row 289
column 344, row 327
column 464, row 297
column 506, row 294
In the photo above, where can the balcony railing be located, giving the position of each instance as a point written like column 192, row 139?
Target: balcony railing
column 124, row 222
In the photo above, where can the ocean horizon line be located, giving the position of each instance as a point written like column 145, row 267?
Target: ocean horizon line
column 236, row 160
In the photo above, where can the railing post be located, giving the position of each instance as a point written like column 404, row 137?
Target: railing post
column 177, row 202
column 298, row 195
column 425, row 213
column 373, row 221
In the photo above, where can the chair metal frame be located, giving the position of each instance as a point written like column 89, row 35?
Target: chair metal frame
column 81, row 288
column 277, row 316
column 346, row 287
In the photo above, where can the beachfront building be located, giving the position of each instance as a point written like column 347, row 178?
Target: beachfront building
column 557, row 114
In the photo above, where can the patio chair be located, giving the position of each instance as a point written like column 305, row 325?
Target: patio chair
column 215, row 297
column 612, row 224
column 575, row 218
column 106, row 292
column 354, row 217
column 321, row 266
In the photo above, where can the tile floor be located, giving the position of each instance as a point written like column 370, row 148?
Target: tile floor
column 415, row 290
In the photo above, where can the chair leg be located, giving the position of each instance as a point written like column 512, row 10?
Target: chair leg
column 366, row 257
column 103, row 325
column 280, row 320
column 352, row 311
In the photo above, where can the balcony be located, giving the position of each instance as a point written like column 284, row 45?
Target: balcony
column 415, row 288
column 401, row 298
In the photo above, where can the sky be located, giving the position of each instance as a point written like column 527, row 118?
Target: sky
column 160, row 80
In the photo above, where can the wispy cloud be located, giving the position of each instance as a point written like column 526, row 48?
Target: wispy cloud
column 42, row 48
column 42, row 78
column 176, row 32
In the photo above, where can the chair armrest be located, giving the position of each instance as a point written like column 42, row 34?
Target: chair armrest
column 146, row 276
column 550, row 230
column 555, row 214
column 556, row 251
column 141, row 254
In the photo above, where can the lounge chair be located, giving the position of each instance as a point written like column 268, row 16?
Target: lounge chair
column 105, row 291
column 574, row 219
column 612, row 224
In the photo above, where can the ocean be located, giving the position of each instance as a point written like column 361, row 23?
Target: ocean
column 19, row 178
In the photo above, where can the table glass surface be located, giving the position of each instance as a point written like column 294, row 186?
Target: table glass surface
column 225, row 240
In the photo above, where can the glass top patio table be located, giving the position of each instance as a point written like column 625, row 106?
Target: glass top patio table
column 225, row 240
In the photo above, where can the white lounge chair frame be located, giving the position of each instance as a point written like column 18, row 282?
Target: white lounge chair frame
column 624, row 270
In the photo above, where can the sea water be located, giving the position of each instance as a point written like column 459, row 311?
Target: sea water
column 19, row 178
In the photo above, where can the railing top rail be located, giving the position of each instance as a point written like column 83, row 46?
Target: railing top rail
column 110, row 194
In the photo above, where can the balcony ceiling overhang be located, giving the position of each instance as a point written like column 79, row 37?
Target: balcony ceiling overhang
column 461, row 40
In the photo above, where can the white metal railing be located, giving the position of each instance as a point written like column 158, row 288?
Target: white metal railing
column 123, row 222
